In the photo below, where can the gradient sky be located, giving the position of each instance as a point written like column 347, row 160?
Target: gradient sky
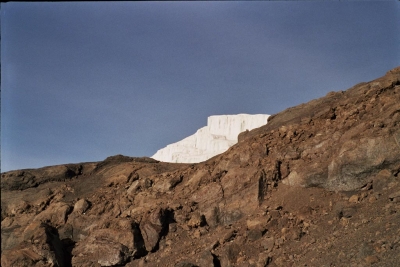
column 84, row 81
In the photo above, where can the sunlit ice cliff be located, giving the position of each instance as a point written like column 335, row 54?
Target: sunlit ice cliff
column 218, row 136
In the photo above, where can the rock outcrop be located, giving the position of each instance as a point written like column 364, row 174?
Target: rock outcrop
column 218, row 136
column 318, row 185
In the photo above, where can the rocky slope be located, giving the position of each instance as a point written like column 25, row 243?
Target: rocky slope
column 317, row 186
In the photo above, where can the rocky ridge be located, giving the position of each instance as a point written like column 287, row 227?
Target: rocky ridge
column 317, row 186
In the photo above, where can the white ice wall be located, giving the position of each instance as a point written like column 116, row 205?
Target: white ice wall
column 220, row 133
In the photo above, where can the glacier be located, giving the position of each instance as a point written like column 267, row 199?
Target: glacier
column 218, row 136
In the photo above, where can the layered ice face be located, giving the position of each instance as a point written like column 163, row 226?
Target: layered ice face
column 220, row 134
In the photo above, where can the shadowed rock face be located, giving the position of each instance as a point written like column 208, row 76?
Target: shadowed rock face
column 318, row 185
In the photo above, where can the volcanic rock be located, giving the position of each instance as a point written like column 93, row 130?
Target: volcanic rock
column 318, row 185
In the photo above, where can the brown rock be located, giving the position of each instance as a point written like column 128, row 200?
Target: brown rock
column 108, row 247
column 291, row 174
column 268, row 243
column 135, row 186
column 371, row 260
column 253, row 224
column 101, row 252
column 81, row 206
column 264, row 259
column 151, row 228
column 185, row 264
column 18, row 207
column 20, row 180
column 395, row 197
column 21, row 257
column 41, row 246
column 206, row 259
column 196, row 220
column 168, row 183
column 228, row 235
column 231, row 254
column 208, row 194
column 381, row 180
column 254, row 234
column 55, row 214
column 354, row 199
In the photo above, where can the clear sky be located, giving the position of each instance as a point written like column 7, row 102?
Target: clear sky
column 84, row 81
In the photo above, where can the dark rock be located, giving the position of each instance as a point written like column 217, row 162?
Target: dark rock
column 185, row 264
column 41, row 246
column 21, row 180
column 228, row 236
column 151, row 228
column 395, row 197
column 345, row 211
column 268, row 243
column 254, row 234
column 107, row 247
column 196, row 220
column 231, row 254
column 206, row 259
column 264, row 259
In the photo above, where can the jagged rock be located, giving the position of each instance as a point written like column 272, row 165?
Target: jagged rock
column 206, row 259
column 268, row 243
column 108, row 247
column 185, row 264
column 230, row 255
column 55, row 214
column 228, row 235
column 17, row 208
column 354, row 199
column 254, row 234
column 134, row 187
column 264, row 259
column 196, row 220
column 151, row 228
column 167, row 183
column 101, row 252
column 41, row 247
column 395, row 197
column 81, row 206
column 279, row 197
column 208, row 194
column 23, row 179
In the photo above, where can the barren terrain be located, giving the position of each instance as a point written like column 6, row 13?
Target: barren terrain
column 317, row 186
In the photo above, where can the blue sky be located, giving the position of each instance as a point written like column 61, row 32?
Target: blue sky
column 84, row 81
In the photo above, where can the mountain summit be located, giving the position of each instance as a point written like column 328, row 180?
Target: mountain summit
column 318, row 185
column 220, row 134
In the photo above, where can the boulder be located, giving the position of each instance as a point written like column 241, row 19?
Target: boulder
column 41, row 247
column 108, row 247
column 55, row 214
column 152, row 227
column 81, row 206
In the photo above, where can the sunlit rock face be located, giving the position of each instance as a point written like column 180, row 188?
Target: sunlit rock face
column 220, row 134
